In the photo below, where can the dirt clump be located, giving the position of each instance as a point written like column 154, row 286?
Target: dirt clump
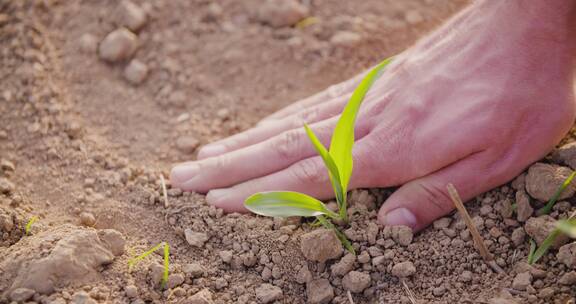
column 540, row 227
column 268, row 293
column 356, row 281
column 403, row 269
column 280, row 13
column 567, row 255
column 136, row 72
column 59, row 257
column 543, row 180
column 130, row 15
column 321, row 245
column 319, row 291
column 118, row 45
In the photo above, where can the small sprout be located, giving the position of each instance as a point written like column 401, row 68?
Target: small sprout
column 546, row 209
column 29, row 225
column 532, row 251
column 338, row 162
column 306, row 22
column 567, row 226
column 133, row 261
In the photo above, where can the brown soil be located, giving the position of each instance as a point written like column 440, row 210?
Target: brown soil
column 83, row 149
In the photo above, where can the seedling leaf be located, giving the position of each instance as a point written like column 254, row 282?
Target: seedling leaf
column 166, row 264
column 343, row 136
column 133, row 261
column 286, row 204
column 546, row 209
column 29, row 225
column 531, row 252
column 546, row 244
column 568, row 227
column 330, row 165
column 341, row 236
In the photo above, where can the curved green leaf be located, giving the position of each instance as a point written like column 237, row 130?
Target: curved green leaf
column 567, row 227
column 330, row 165
column 285, row 204
column 343, row 137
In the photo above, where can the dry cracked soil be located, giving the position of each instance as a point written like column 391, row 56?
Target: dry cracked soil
column 99, row 98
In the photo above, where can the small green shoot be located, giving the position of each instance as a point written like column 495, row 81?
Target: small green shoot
column 133, row 261
column 532, row 251
column 338, row 162
column 567, row 226
column 548, row 208
column 29, row 225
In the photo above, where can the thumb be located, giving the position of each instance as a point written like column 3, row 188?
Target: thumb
column 419, row 202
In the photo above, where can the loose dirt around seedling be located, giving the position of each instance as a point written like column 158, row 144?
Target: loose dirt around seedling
column 91, row 115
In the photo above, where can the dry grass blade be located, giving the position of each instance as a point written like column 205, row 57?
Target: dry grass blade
column 164, row 192
column 409, row 292
column 350, row 299
column 478, row 240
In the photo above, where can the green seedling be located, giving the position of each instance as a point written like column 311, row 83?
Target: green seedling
column 338, row 161
column 546, row 209
column 133, row 261
column 29, row 225
column 567, row 227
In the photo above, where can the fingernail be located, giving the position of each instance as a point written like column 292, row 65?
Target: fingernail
column 400, row 217
column 211, row 150
column 182, row 173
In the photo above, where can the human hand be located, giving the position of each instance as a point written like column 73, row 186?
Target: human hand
column 472, row 112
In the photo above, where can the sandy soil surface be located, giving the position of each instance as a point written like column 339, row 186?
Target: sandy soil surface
column 92, row 114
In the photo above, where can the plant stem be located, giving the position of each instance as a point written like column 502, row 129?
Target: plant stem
column 329, row 225
column 546, row 209
column 342, row 210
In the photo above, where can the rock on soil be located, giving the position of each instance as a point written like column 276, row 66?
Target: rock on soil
column 524, row 209
column 131, row 291
column 522, row 281
column 568, row 278
column 130, row 15
column 567, row 255
column 196, row 239
column 136, row 72
column 267, row 293
column 319, row 292
column 540, row 227
column 58, row 257
column 87, row 219
column 402, row 235
column 403, row 269
column 118, row 45
column 187, row 144
column 543, row 180
column 345, row 265
column 566, row 155
column 204, row 296
column 193, row 270
column 280, row 13
column 6, row 187
column 21, row 295
column 356, row 281
column 320, row 245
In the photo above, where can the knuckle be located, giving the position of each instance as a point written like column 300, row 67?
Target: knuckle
column 435, row 196
column 221, row 162
column 307, row 116
column 288, row 144
column 310, row 171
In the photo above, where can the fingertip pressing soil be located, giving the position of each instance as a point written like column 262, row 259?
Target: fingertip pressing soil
column 89, row 124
